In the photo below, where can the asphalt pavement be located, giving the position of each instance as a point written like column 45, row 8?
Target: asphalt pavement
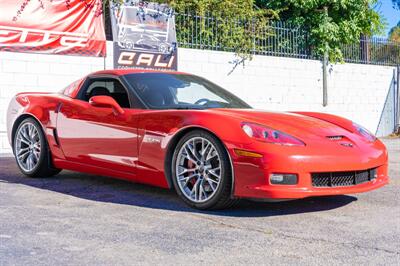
column 80, row 219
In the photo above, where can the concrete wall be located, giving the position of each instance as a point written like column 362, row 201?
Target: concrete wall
column 20, row 72
column 357, row 92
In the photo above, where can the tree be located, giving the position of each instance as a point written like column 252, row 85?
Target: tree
column 232, row 24
column 394, row 33
column 342, row 23
column 396, row 4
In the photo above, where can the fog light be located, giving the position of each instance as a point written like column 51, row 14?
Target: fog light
column 283, row 179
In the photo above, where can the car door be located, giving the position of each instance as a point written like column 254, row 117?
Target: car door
column 95, row 135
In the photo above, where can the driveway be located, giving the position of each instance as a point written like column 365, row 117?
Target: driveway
column 80, row 219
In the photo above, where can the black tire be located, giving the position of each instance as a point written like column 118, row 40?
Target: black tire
column 44, row 166
column 222, row 198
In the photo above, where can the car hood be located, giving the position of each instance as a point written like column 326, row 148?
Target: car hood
column 300, row 126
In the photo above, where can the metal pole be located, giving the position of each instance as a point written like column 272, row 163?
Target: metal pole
column 397, row 89
column 105, row 25
column 324, row 71
column 325, row 80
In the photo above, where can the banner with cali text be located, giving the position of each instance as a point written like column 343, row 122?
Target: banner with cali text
column 144, row 35
column 72, row 27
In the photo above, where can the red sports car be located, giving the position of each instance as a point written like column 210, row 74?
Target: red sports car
column 176, row 130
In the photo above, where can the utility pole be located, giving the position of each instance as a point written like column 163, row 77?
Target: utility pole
column 324, row 65
column 103, row 13
column 397, row 100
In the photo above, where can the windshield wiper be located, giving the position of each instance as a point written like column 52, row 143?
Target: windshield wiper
column 187, row 107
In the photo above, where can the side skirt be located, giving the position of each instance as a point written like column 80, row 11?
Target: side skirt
column 90, row 169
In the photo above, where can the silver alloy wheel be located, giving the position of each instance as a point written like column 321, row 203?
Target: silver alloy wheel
column 198, row 169
column 28, row 146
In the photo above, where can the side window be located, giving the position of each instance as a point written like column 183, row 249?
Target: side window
column 108, row 87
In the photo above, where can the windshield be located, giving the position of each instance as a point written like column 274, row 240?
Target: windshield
column 179, row 91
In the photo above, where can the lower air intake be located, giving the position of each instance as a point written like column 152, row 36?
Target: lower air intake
column 342, row 179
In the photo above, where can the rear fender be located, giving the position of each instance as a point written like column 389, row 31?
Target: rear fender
column 43, row 109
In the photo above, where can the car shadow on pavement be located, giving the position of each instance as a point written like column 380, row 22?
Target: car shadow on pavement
column 104, row 189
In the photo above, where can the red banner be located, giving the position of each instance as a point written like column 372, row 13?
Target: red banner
column 73, row 27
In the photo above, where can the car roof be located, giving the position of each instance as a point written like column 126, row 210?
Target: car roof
column 121, row 72
column 114, row 72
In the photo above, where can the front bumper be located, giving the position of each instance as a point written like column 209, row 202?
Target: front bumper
column 251, row 175
column 303, row 191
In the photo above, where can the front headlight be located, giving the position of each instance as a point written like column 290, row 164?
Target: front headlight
column 363, row 132
column 269, row 135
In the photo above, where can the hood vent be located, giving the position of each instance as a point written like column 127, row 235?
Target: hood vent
column 335, row 137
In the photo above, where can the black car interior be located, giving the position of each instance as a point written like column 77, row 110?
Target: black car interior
column 112, row 88
column 156, row 97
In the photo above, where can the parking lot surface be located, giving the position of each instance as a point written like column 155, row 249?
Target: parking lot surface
column 80, row 219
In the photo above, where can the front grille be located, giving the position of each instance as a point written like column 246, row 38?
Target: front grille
column 342, row 179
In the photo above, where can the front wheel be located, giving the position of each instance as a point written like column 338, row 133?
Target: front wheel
column 31, row 150
column 201, row 171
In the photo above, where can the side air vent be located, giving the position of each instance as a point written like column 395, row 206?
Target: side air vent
column 56, row 137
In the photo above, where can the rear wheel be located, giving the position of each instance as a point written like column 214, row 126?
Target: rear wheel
column 31, row 150
column 201, row 171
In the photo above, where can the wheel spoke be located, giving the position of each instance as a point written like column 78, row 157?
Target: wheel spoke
column 201, row 190
column 30, row 131
column 211, row 154
column 27, row 132
column 32, row 160
column 22, row 156
column 35, row 134
column 185, row 170
column 204, row 151
column 212, row 180
column 214, row 172
column 195, row 151
column 211, row 183
column 36, row 155
column 23, row 136
column 21, row 139
column 187, row 178
column 189, row 156
column 22, row 151
column 29, row 162
column 194, row 189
